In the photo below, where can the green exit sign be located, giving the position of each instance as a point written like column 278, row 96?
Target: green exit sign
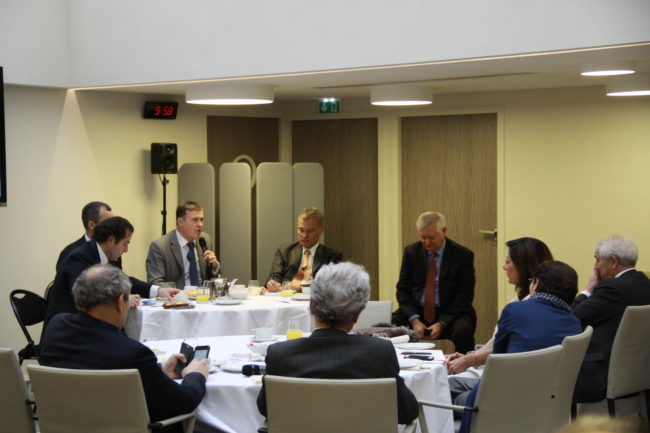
column 329, row 105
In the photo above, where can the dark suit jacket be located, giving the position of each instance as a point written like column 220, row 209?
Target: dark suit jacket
column 80, row 259
column 165, row 260
column 67, row 250
column 84, row 342
column 286, row 262
column 603, row 311
column 456, row 281
column 333, row 354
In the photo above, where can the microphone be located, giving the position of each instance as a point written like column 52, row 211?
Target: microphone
column 251, row 369
column 204, row 247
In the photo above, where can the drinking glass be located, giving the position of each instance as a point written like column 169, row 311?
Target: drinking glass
column 254, row 287
column 294, row 330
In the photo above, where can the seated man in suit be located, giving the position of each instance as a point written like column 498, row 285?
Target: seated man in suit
column 111, row 240
column 92, row 214
column 301, row 260
column 436, row 285
column 614, row 285
column 338, row 295
column 91, row 339
column 176, row 256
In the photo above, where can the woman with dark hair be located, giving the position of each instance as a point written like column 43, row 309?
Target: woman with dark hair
column 524, row 255
column 540, row 322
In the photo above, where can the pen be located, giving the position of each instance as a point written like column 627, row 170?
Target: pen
column 416, row 353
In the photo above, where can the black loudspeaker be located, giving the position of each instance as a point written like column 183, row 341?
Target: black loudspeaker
column 164, row 158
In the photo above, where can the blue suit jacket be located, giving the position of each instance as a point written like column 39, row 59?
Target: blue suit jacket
column 84, row 342
column 533, row 324
column 80, row 259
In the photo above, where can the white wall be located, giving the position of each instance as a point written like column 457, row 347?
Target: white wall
column 66, row 149
column 123, row 41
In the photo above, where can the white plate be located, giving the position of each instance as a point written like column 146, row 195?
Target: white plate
column 227, row 302
column 272, row 294
column 416, row 346
column 409, row 363
column 301, row 297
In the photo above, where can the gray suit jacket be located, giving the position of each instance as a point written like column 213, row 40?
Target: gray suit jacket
column 165, row 260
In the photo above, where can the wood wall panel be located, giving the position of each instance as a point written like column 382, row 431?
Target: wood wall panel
column 449, row 165
column 228, row 137
column 347, row 149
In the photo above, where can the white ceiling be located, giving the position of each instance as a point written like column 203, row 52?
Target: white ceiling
column 516, row 72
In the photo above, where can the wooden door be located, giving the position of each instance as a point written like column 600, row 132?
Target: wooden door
column 449, row 165
column 347, row 150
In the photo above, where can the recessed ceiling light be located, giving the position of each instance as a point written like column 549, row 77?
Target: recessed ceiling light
column 607, row 68
column 400, row 95
column 631, row 85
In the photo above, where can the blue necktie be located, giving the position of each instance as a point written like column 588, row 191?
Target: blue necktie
column 194, row 271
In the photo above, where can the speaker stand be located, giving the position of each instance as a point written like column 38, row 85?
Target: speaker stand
column 164, row 181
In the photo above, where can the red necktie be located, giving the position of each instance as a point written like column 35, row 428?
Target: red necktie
column 430, row 292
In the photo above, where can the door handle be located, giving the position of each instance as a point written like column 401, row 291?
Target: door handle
column 492, row 233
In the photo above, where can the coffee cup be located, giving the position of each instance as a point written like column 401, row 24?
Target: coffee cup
column 261, row 334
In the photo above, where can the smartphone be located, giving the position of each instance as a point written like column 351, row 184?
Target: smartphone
column 422, row 357
column 188, row 351
column 201, row 352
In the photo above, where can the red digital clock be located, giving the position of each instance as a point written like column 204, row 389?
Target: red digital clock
column 160, row 110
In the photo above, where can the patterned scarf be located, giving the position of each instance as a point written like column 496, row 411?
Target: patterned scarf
column 559, row 303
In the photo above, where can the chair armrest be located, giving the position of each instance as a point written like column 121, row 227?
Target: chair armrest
column 264, row 428
column 453, row 407
column 410, row 428
column 173, row 420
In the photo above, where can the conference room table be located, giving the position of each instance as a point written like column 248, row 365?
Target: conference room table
column 230, row 403
column 207, row 320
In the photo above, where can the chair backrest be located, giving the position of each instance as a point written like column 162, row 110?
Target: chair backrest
column 630, row 358
column 516, row 391
column 330, row 405
column 573, row 353
column 29, row 309
column 15, row 413
column 81, row 401
column 374, row 313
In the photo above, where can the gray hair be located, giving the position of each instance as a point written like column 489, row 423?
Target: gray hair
column 428, row 218
column 100, row 284
column 338, row 292
column 620, row 247
column 312, row 212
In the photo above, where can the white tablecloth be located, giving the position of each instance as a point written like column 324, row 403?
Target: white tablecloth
column 230, row 401
column 207, row 320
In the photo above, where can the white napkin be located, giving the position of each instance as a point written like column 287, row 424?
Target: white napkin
column 400, row 340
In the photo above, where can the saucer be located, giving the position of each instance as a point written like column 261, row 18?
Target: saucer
column 263, row 340
column 301, row 297
column 416, row 346
column 227, row 302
